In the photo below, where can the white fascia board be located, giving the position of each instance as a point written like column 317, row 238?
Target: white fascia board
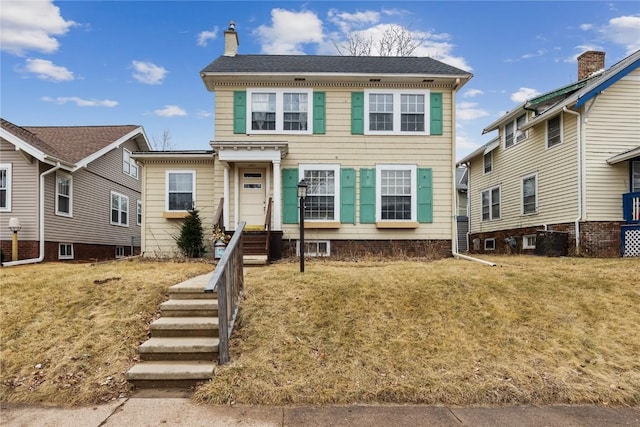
column 117, row 143
column 484, row 149
column 22, row 145
column 509, row 116
column 625, row 155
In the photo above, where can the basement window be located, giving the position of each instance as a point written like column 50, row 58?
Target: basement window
column 529, row 241
column 119, row 251
column 490, row 244
column 65, row 251
column 315, row 248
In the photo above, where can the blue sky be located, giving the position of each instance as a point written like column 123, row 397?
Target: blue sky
column 125, row 62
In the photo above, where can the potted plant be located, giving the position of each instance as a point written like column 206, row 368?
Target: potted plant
column 220, row 240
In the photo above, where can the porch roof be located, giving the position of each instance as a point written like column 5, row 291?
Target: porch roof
column 625, row 155
column 250, row 151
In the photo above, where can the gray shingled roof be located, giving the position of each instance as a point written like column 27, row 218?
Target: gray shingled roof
column 331, row 64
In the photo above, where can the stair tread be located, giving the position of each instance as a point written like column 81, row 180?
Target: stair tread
column 194, row 284
column 171, row 370
column 189, row 303
column 179, row 345
column 185, row 322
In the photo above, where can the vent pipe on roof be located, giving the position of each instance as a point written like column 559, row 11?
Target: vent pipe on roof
column 231, row 41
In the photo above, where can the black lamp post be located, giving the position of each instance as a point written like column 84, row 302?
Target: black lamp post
column 302, row 194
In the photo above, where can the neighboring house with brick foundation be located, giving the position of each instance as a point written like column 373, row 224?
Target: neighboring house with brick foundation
column 373, row 137
column 567, row 162
column 74, row 189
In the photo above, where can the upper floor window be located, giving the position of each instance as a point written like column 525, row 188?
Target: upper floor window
column 279, row 111
column 323, row 192
column 129, row 165
column 491, row 204
column 396, row 193
column 119, row 209
column 5, row 187
column 488, row 162
column 554, row 131
column 64, row 194
column 396, row 112
column 511, row 133
column 181, row 190
column 635, row 171
column 530, row 194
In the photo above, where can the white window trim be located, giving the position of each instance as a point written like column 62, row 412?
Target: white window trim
column 492, row 240
column 70, row 178
column 138, row 212
column 516, row 132
column 531, row 175
column 336, row 198
column 414, row 191
column 166, row 190
column 280, row 111
column 121, row 196
column 8, row 168
column 71, row 256
column 397, row 114
column 484, row 171
column 132, row 164
column 546, row 132
column 634, row 164
column 490, row 190
column 526, row 241
column 117, row 250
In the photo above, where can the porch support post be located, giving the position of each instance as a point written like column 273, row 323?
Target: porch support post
column 236, row 196
column 277, row 197
column 226, row 205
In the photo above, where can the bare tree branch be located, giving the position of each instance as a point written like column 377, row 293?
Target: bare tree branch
column 394, row 41
column 164, row 143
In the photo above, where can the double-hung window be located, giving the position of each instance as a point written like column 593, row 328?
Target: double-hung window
column 491, row 204
column 64, row 194
column 488, row 162
column 5, row 187
column 279, row 111
column 119, row 209
column 512, row 135
column 181, row 190
column 530, row 194
column 396, row 193
column 129, row 165
column 554, row 131
column 396, row 112
column 323, row 192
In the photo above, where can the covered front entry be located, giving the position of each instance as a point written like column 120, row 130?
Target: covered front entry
column 253, row 197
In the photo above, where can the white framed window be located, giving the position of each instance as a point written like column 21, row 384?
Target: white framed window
column 529, row 241
column 119, row 209
column 65, row 251
column 64, row 194
column 635, row 176
column 396, row 112
column 323, row 192
column 490, row 204
column 530, row 194
column 5, row 187
column 279, row 111
column 512, row 135
column 180, row 190
column 554, row 131
column 396, row 194
column 139, row 212
column 315, row 248
column 488, row 162
column 119, row 251
column 129, row 166
column 490, row 244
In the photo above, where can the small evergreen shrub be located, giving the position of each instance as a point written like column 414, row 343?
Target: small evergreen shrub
column 191, row 238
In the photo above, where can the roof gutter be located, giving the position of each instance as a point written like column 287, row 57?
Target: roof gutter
column 41, row 257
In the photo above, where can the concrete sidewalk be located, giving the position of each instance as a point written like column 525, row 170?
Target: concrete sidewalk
column 167, row 412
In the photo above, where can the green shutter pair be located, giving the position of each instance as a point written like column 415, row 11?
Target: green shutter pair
column 357, row 113
column 240, row 112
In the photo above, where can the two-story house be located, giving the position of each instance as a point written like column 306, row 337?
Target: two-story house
column 372, row 137
column 75, row 191
column 565, row 162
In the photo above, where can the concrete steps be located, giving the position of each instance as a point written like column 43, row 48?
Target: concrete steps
column 172, row 374
column 166, row 327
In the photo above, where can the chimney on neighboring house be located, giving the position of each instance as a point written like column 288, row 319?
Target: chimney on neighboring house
column 590, row 62
column 231, row 40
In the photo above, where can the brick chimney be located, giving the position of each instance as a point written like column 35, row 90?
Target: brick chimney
column 231, row 41
column 590, row 62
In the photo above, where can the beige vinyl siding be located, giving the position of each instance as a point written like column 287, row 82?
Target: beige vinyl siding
column 613, row 127
column 25, row 199
column 556, row 170
column 339, row 146
column 158, row 237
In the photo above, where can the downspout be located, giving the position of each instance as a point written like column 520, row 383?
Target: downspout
column 579, row 146
column 41, row 257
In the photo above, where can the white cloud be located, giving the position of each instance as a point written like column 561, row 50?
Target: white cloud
column 46, row 70
column 471, row 93
column 202, row 114
column 170, row 111
column 625, row 31
column 148, row 72
column 205, row 36
column 469, row 111
column 289, row 31
column 346, row 21
column 586, row 27
column 31, row 25
column 523, row 94
column 80, row 102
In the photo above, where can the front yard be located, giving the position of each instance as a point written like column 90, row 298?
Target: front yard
column 531, row 330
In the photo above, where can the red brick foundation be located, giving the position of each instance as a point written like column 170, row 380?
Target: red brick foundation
column 349, row 249
column 81, row 251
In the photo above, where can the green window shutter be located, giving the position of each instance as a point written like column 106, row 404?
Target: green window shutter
column 290, row 196
column 319, row 122
column 348, row 196
column 436, row 113
column 425, row 195
column 357, row 113
column 367, row 196
column 239, row 111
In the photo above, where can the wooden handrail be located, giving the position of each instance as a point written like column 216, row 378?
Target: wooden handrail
column 267, row 226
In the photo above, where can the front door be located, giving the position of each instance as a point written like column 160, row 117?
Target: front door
column 253, row 197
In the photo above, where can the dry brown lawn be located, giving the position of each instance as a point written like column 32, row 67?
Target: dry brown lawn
column 532, row 330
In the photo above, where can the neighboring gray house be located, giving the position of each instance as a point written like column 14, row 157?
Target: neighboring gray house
column 462, row 207
column 74, row 189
